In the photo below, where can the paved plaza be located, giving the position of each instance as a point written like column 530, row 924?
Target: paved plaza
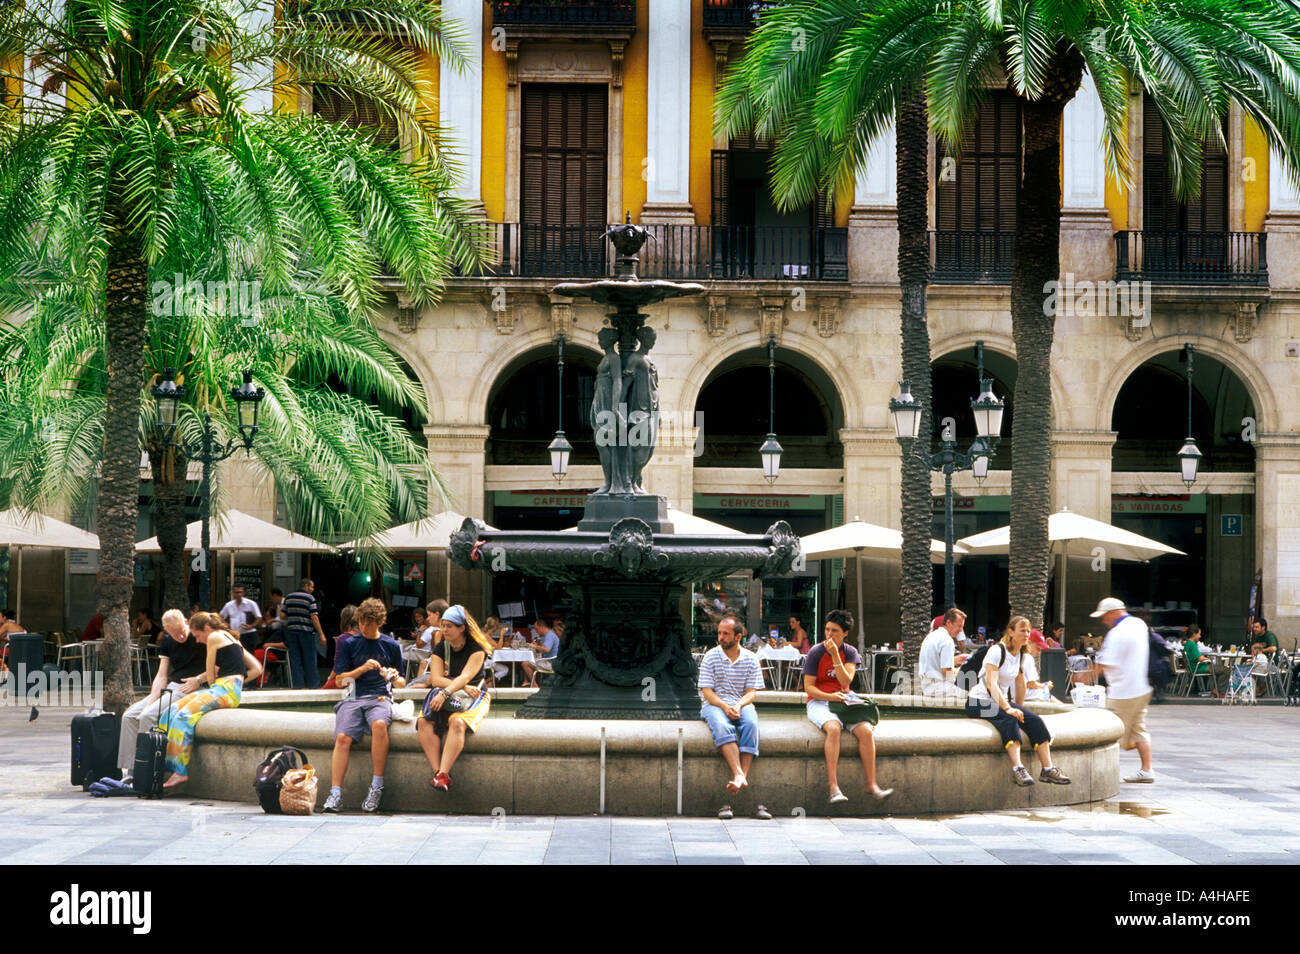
column 1229, row 781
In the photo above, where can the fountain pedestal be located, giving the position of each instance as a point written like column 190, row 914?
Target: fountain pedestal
column 627, row 654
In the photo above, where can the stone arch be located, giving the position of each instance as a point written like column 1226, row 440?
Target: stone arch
column 1003, row 345
column 1232, row 358
column 813, row 349
column 500, row 360
column 404, row 346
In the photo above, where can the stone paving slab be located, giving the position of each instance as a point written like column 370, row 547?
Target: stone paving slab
column 1225, row 790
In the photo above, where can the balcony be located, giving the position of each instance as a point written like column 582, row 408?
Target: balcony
column 681, row 252
column 564, row 13
column 971, row 258
column 732, row 16
column 1192, row 258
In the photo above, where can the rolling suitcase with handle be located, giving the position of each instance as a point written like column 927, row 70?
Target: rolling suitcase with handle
column 150, row 769
column 94, row 747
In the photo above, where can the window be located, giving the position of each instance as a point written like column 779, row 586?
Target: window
column 565, row 155
column 1161, row 209
column 976, row 191
column 339, row 106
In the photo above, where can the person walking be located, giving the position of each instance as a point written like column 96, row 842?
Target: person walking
column 1123, row 659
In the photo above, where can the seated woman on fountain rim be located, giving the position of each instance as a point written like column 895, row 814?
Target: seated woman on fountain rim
column 458, row 662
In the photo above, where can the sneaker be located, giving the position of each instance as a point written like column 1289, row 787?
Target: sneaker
column 1053, row 775
column 1141, row 776
column 371, row 804
column 837, row 797
column 442, row 782
column 763, row 814
column 1020, row 775
column 883, row 794
column 332, row 802
column 725, row 813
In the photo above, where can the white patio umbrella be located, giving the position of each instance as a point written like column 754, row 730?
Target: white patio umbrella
column 235, row 530
column 688, row 524
column 860, row 539
column 18, row 530
column 1066, row 528
column 431, row 533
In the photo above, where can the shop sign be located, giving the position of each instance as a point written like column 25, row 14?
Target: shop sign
column 784, row 502
column 1157, row 503
column 565, row 500
column 996, row 503
column 1230, row 525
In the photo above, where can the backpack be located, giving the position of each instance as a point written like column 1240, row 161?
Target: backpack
column 270, row 776
column 1159, row 671
column 969, row 673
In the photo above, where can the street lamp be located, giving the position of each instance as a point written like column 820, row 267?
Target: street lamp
column 906, row 412
column 167, row 397
column 771, row 449
column 1189, row 455
column 560, row 448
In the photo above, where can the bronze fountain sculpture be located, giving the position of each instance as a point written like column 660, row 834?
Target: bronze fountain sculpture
column 627, row 654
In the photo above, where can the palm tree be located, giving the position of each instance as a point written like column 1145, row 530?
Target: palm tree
column 342, row 467
column 139, row 135
column 824, row 77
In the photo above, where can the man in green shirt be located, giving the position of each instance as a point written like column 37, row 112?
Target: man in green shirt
column 1264, row 639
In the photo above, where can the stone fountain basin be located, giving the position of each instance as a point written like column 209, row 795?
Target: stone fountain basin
column 936, row 760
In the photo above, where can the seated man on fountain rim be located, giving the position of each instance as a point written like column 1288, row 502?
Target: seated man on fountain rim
column 729, row 677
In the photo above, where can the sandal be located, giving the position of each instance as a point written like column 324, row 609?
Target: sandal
column 725, row 813
column 762, row 813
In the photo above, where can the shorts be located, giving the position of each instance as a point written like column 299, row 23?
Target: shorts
column 819, row 713
column 544, row 665
column 1133, row 713
column 353, row 717
column 472, row 716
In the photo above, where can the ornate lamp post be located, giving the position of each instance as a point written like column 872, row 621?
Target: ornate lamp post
column 560, row 448
column 1189, row 455
column 987, row 408
column 167, row 397
column 771, row 450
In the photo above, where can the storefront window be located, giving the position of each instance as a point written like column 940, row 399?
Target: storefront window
column 715, row 599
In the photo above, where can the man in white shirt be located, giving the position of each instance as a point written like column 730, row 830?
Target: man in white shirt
column 937, row 661
column 729, row 677
column 1123, row 659
column 241, row 615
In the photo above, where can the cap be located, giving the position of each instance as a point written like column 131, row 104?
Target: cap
column 1106, row 606
column 1037, row 639
column 936, row 622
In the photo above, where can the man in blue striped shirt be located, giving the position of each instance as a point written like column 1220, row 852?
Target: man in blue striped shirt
column 302, row 629
column 729, row 675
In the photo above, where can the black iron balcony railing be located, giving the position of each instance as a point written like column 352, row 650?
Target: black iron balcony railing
column 965, row 258
column 564, row 12
column 1192, row 258
column 738, row 15
column 689, row 252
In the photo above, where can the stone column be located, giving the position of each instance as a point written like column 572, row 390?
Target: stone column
column 458, row 454
column 872, row 484
column 1087, row 243
column 257, row 77
column 668, row 116
column 1081, row 481
column 1277, row 530
column 460, row 97
column 1282, row 224
column 873, row 221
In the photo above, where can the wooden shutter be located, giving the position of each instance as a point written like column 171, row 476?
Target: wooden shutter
column 565, row 146
column 1161, row 210
column 359, row 112
column 720, row 186
column 981, row 196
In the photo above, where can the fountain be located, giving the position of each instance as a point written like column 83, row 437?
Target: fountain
column 626, row 652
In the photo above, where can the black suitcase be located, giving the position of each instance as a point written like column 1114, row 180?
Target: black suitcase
column 150, row 769
column 94, row 747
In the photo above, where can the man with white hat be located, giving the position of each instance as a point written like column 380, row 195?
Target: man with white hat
column 1123, row 659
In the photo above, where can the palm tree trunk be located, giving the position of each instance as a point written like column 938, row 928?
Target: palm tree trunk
column 169, row 486
column 916, row 592
column 119, row 482
column 1036, row 263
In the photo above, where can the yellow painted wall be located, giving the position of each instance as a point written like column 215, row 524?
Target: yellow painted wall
column 636, row 86
column 703, row 81
column 493, row 169
column 1255, row 146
